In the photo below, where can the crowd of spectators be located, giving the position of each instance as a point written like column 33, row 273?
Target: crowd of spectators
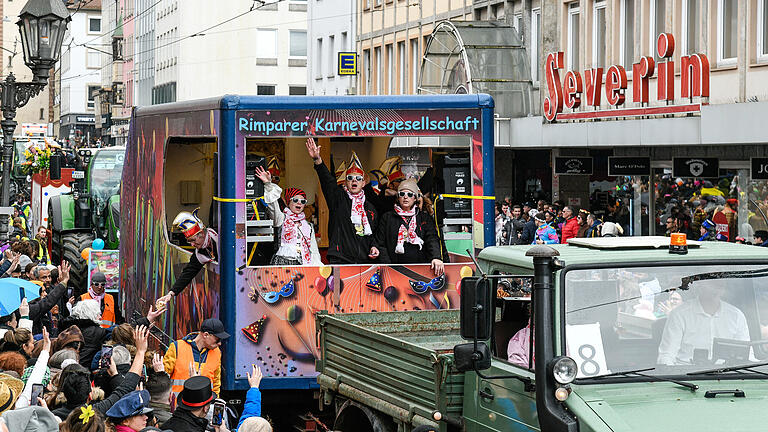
column 69, row 362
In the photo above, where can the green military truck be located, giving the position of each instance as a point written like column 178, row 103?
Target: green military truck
column 627, row 337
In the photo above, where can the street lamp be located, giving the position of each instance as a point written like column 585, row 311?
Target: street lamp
column 42, row 24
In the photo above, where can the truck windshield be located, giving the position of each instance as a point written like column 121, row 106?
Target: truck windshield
column 676, row 319
column 105, row 172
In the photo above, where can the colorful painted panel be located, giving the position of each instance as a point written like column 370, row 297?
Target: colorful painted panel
column 107, row 262
column 276, row 307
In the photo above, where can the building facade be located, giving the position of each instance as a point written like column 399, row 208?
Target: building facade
column 77, row 78
column 331, row 28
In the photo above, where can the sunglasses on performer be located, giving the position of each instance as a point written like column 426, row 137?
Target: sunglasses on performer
column 356, row 178
column 298, row 200
column 408, row 194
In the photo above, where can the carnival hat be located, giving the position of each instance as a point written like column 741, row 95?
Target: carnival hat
column 189, row 223
column 197, row 392
column 340, row 177
column 354, row 166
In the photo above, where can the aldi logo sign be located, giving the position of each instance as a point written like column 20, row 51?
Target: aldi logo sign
column 347, row 63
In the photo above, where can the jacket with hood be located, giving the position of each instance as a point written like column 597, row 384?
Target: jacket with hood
column 94, row 336
column 570, row 229
column 183, row 420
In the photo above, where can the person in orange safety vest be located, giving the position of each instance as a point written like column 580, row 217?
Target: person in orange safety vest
column 196, row 354
column 110, row 316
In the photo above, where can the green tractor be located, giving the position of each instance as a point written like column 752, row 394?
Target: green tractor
column 90, row 211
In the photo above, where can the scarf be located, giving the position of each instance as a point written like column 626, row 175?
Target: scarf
column 94, row 296
column 358, row 217
column 297, row 230
column 121, row 428
column 211, row 240
column 407, row 234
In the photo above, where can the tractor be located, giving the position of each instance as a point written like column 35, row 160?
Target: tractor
column 90, row 211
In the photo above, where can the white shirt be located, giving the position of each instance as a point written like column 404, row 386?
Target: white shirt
column 689, row 327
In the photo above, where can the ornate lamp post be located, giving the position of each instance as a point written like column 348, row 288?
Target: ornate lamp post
column 42, row 24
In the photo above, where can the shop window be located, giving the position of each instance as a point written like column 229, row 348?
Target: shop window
column 657, row 19
column 598, row 35
column 627, row 45
column 298, row 41
column 265, row 90
column 727, row 31
column 267, row 43
column 573, row 36
column 535, row 54
column 692, row 23
column 762, row 30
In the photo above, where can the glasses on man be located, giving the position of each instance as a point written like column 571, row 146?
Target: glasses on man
column 297, row 200
column 408, row 194
column 355, row 178
column 98, row 284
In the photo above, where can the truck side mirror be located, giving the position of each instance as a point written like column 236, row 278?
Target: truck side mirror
column 467, row 357
column 54, row 168
column 476, row 315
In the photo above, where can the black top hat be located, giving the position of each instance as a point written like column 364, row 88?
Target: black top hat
column 197, row 392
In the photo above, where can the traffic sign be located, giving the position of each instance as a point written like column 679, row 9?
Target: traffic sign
column 347, row 63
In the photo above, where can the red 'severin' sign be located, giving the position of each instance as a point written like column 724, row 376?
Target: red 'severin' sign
column 694, row 82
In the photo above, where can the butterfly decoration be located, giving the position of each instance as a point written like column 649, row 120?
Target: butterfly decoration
column 286, row 291
column 374, row 283
column 435, row 284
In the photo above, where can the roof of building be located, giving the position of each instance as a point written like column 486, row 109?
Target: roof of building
column 87, row 5
column 630, row 250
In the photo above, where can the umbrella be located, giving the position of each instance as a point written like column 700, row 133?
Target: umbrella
column 10, row 293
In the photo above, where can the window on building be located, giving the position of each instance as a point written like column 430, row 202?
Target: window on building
column 94, row 24
column 517, row 24
column 265, row 90
column 377, row 2
column 658, row 15
column 319, row 59
column 574, row 33
column 377, row 70
column 92, row 59
column 331, row 56
column 298, row 43
column 598, row 34
column 297, row 90
column 401, row 59
column 762, row 30
column 42, row 113
column 727, row 31
column 91, row 92
column 390, row 70
column 367, row 71
column 343, row 46
column 627, row 33
column 692, row 24
column 415, row 65
column 266, row 43
column 65, row 58
column 535, row 54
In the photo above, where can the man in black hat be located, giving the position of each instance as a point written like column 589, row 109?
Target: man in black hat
column 193, row 404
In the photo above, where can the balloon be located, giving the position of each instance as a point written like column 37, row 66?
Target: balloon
column 293, row 313
column 325, row 271
column 458, row 286
column 98, row 244
column 466, row 271
column 391, row 294
column 330, row 283
column 321, row 286
column 85, row 253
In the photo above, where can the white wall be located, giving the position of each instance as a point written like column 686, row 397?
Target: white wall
column 329, row 20
column 224, row 60
column 76, row 73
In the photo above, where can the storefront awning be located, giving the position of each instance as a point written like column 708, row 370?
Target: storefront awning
column 479, row 57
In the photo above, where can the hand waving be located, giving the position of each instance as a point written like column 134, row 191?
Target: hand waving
column 254, row 378
column 263, row 175
column 141, row 335
column 314, row 151
column 64, row 272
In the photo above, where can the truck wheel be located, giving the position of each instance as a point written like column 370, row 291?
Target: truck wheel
column 72, row 245
column 353, row 417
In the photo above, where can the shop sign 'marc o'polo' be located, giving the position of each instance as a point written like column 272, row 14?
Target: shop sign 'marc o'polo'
column 572, row 92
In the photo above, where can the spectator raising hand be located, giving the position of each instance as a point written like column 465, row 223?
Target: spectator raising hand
column 64, row 272
column 254, row 378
